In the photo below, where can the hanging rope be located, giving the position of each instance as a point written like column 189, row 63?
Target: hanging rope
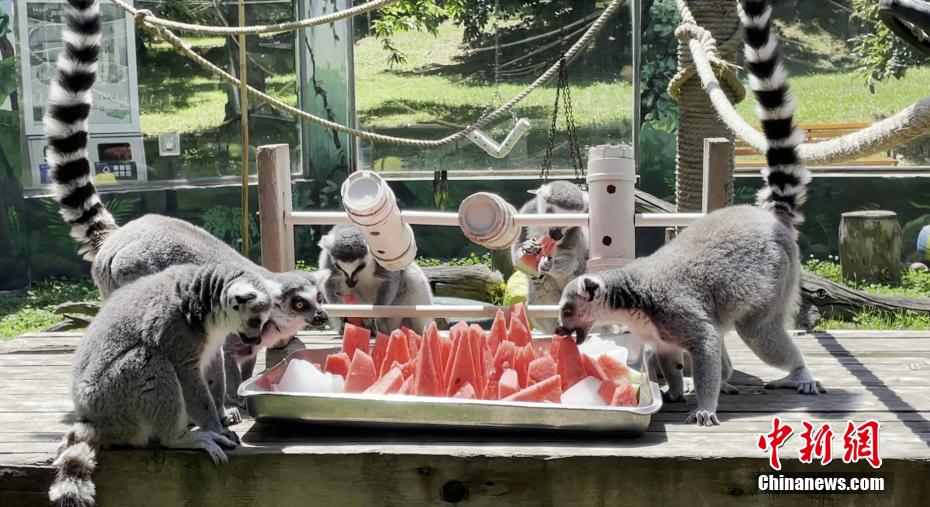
column 147, row 16
column 180, row 46
column 907, row 124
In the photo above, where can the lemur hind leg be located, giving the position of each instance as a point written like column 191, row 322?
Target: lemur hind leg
column 769, row 340
column 726, row 369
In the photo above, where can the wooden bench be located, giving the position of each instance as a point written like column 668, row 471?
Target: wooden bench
column 883, row 376
column 749, row 157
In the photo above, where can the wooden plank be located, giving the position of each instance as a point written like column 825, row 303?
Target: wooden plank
column 718, row 182
column 275, row 204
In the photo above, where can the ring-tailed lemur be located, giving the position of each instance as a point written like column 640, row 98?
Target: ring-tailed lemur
column 151, row 243
column 351, row 270
column 571, row 252
column 140, row 371
column 735, row 268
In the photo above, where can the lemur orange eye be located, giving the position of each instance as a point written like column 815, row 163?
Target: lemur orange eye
column 299, row 304
column 567, row 311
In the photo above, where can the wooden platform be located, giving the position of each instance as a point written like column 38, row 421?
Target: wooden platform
column 883, row 376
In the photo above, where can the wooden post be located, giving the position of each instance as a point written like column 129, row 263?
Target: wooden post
column 717, row 181
column 274, row 204
column 502, row 261
column 870, row 246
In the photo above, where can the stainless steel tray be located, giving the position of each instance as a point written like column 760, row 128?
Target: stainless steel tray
column 397, row 410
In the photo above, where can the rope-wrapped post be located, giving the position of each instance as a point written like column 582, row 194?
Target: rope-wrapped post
column 697, row 118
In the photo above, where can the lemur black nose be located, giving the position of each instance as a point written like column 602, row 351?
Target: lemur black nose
column 351, row 283
column 555, row 233
column 250, row 340
column 563, row 331
column 320, row 319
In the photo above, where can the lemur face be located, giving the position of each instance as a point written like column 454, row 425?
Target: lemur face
column 354, row 270
column 248, row 307
column 560, row 197
column 298, row 305
column 581, row 301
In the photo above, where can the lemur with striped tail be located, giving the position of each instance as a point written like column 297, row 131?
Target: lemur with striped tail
column 736, row 268
column 151, row 243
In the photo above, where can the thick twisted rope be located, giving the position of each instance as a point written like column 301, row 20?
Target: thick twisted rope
column 907, row 124
column 147, row 16
column 179, row 45
column 689, row 29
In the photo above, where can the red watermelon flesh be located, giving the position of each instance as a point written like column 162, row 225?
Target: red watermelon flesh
column 355, row 338
column 413, row 340
column 337, row 364
column 540, row 369
column 612, row 367
column 397, row 350
column 519, row 332
column 390, row 383
column 618, row 393
column 549, row 390
column 428, row 381
column 380, row 350
column 498, row 331
column 554, row 345
column 508, row 384
column 521, row 362
column 408, row 368
column 477, row 341
column 431, row 334
column 571, row 366
column 407, row 386
column 445, row 351
column 352, row 299
column 506, row 352
column 592, row 369
column 466, row 392
column 463, row 369
column 519, row 313
column 548, row 245
column 361, row 373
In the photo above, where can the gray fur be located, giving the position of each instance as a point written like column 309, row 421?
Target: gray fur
column 344, row 248
column 140, row 371
column 571, row 254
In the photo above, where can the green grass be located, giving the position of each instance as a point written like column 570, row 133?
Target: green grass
column 30, row 310
column 913, row 284
column 836, row 97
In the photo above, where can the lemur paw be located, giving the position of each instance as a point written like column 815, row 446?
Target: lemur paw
column 227, row 438
column 726, row 388
column 545, row 265
column 531, row 247
column 232, row 417
column 670, row 397
column 702, row 418
column 800, row 379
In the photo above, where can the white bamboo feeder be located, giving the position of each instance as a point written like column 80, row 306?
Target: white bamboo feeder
column 612, row 199
column 370, row 203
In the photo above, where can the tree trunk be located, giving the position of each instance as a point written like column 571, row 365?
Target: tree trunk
column 467, row 282
column 870, row 246
column 502, row 261
column 824, row 298
column 697, row 118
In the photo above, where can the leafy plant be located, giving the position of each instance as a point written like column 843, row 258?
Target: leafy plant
column 882, row 55
column 659, row 63
column 225, row 223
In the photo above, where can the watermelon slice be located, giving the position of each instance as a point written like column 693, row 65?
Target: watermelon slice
column 548, row 245
column 571, row 366
column 397, row 350
column 554, row 345
column 618, row 393
column 353, row 299
column 428, row 381
column 509, row 384
column 524, row 356
column 431, row 334
column 466, row 391
column 355, row 338
column 380, row 350
column 592, row 368
column 477, row 341
column 390, row 383
column 498, row 331
column 464, row 368
column 413, row 340
column 612, row 367
column 408, row 368
column 445, row 351
column 549, row 390
column 540, row 369
column 361, row 373
column 520, row 335
column 337, row 364
column 501, row 361
column 457, row 333
column 407, row 386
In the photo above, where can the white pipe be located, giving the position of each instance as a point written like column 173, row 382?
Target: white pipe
column 611, row 204
column 433, row 311
column 452, row 220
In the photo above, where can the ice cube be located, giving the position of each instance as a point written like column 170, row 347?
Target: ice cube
column 302, row 377
column 595, row 346
column 583, row 393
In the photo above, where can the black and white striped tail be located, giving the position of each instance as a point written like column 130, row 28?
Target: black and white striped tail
column 786, row 176
column 75, row 463
column 66, row 112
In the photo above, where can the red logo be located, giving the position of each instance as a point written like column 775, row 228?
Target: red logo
column 859, row 442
